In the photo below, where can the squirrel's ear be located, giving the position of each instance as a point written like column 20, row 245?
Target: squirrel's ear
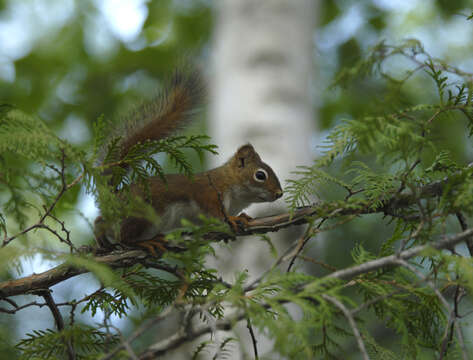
column 246, row 150
column 244, row 154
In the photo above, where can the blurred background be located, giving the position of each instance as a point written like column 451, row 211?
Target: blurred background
column 70, row 62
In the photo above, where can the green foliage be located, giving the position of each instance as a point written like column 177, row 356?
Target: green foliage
column 23, row 139
column 443, row 163
column 223, row 351
column 7, row 344
column 408, row 310
column 136, row 167
column 378, row 352
column 397, row 162
column 140, row 159
column 377, row 188
column 401, row 159
column 115, row 303
column 402, row 140
column 50, row 344
column 302, row 190
column 37, row 140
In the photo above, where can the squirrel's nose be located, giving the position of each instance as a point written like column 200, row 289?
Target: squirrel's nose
column 278, row 194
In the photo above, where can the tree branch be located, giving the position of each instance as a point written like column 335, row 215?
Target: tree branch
column 48, row 210
column 65, row 271
column 46, row 294
column 393, row 260
column 351, row 321
column 257, row 225
column 179, row 338
column 253, row 338
column 324, row 210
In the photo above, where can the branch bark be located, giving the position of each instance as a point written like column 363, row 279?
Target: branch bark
column 393, row 260
column 179, row 338
column 256, row 226
column 46, row 294
column 127, row 258
column 65, row 271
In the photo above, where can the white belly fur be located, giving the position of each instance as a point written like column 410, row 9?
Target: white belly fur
column 171, row 219
column 234, row 201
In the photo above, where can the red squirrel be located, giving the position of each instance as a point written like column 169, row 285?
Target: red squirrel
column 222, row 192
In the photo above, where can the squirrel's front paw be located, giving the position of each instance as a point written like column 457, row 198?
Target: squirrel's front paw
column 240, row 222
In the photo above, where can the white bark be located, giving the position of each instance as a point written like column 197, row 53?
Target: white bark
column 261, row 84
column 261, row 81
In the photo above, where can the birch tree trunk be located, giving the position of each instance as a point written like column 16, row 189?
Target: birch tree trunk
column 261, row 93
column 261, row 86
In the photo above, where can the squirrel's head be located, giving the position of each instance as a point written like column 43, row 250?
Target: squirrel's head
column 258, row 179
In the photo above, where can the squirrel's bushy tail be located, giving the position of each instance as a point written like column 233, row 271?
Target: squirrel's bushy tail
column 166, row 113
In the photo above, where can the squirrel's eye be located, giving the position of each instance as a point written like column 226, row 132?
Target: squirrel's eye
column 260, row 175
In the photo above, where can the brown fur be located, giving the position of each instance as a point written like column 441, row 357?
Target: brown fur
column 221, row 193
column 208, row 190
column 166, row 113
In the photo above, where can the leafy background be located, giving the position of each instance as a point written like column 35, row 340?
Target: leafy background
column 70, row 62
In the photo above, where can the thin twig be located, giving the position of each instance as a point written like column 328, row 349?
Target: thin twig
column 317, row 262
column 253, row 337
column 300, row 245
column 126, row 344
column 392, row 260
column 442, row 300
column 48, row 210
column 464, row 226
column 18, row 308
column 46, row 294
column 446, row 339
column 310, row 233
column 174, row 341
column 67, row 240
column 75, row 181
column 286, row 255
column 351, row 321
column 138, row 332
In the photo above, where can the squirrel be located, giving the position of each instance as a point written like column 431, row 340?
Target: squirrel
column 221, row 193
